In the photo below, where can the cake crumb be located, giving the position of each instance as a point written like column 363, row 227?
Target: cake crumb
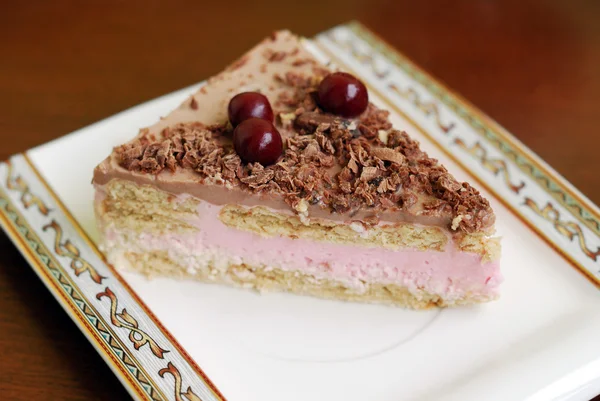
column 301, row 206
column 358, row 226
column 456, row 221
column 383, row 135
column 287, row 119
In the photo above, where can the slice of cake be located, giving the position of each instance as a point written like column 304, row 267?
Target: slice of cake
column 280, row 175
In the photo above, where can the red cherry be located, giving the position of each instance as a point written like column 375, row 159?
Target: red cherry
column 342, row 94
column 257, row 140
column 247, row 105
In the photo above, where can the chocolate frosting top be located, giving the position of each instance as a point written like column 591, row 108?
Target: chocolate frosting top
column 345, row 167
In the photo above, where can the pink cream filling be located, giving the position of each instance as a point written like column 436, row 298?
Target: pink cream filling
column 451, row 274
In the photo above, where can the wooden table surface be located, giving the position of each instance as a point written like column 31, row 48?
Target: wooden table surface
column 534, row 66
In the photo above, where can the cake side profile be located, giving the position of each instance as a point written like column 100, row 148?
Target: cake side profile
column 329, row 201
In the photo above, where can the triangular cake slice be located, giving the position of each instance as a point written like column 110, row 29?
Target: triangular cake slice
column 348, row 208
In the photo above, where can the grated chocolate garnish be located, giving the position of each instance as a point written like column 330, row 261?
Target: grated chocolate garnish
column 338, row 164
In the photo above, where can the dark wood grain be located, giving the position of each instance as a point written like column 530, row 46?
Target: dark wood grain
column 532, row 65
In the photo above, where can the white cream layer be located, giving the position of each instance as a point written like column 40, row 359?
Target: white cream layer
column 451, row 274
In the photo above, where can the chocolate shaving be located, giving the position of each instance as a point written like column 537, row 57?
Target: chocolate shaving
column 369, row 173
column 325, row 143
column 302, row 61
column 277, row 56
column 310, row 121
column 238, row 63
column 259, row 178
column 376, row 119
column 384, row 186
column 388, row 154
column 295, row 80
column 163, row 153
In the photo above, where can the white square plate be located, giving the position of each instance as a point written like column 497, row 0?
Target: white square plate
column 171, row 340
